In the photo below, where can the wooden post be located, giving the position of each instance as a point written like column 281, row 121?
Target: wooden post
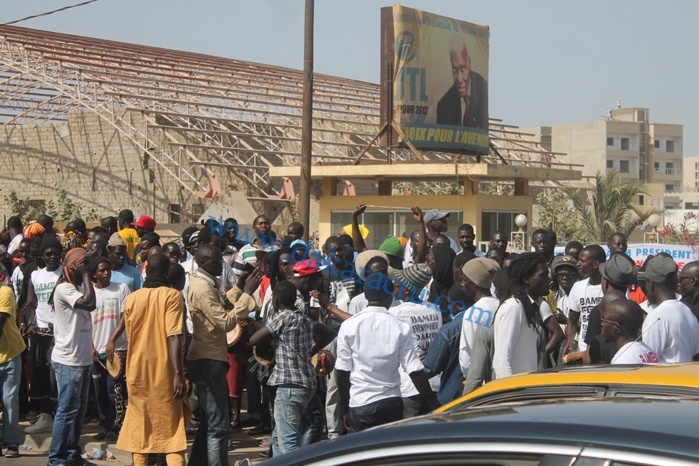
column 307, row 121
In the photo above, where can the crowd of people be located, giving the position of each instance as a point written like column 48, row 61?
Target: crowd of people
column 163, row 337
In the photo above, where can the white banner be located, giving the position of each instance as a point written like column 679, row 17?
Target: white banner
column 681, row 253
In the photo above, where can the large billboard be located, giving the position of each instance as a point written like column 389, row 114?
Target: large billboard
column 434, row 82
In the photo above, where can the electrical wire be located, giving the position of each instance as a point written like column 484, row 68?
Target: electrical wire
column 49, row 12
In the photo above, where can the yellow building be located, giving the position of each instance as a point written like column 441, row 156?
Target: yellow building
column 389, row 211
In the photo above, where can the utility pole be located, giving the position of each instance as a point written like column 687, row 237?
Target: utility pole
column 307, row 121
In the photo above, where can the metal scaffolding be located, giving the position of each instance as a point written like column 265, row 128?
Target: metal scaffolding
column 202, row 112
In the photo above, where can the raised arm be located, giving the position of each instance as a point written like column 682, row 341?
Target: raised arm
column 420, row 252
column 357, row 240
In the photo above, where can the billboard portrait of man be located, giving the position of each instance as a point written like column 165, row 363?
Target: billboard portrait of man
column 466, row 101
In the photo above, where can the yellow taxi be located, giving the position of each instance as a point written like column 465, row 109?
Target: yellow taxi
column 667, row 380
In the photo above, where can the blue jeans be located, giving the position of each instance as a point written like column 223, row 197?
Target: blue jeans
column 73, row 388
column 289, row 406
column 10, row 377
column 313, row 421
column 210, row 445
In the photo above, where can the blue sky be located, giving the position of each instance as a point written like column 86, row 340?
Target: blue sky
column 551, row 61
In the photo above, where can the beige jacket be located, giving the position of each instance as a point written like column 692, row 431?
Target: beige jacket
column 210, row 320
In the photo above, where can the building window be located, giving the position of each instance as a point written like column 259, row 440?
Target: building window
column 656, row 167
column 669, row 146
column 669, row 168
column 657, row 143
column 389, row 223
column 669, row 188
column 624, row 166
column 624, row 143
column 493, row 221
column 610, row 141
column 175, row 211
column 610, row 164
column 691, row 205
column 197, row 211
column 37, row 204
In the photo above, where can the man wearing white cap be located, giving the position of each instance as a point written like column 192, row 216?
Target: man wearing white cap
column 435, row 224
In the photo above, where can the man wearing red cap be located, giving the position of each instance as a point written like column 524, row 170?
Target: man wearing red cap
column 144, row 224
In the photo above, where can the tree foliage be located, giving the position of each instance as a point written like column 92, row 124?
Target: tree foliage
column 612, row 206
column 555, row 213
column 686, row 232
column 63, row 209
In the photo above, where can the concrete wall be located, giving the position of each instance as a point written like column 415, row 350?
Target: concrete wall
column 87, row 156
column 690, row 173
column 585, row 143
column 102, row 167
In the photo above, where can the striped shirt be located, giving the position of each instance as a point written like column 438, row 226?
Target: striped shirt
column 246, row 255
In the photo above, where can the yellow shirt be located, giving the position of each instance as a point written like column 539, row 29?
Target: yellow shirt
column 11, row 343
column 131, row 239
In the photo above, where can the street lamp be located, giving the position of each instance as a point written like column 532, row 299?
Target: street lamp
column 518, row 239
column 653, row 236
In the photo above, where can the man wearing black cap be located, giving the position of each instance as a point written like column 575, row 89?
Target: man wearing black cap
column 565, row 274
column 371, row 347
column 670, row 329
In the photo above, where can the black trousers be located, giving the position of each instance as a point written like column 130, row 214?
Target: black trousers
column 375, row 414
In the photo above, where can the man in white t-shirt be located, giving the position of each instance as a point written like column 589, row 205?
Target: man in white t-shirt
column 670, row 329
column 584, row 295
column 110, row 394
column 478, row 276
column 425, row 320
column 621, row 323
column 38, row 326
column 73, row 300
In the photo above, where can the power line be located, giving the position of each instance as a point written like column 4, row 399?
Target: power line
column 49, row 12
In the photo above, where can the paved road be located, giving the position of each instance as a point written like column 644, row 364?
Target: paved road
column 246, row 446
